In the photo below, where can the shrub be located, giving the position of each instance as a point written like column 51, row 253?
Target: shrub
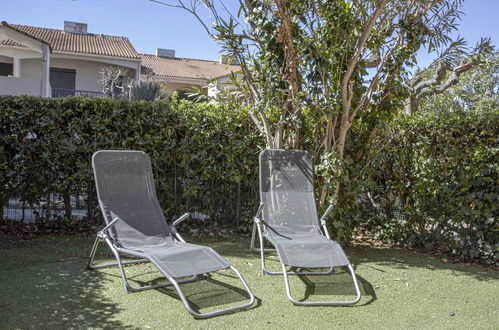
column 148, row 91
column 435, row 184
column 204, row 155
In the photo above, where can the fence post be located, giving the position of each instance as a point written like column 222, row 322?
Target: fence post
column 90, row 209
column 238, row 203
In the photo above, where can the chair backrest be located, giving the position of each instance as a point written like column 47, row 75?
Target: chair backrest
column 287, row 190
column 125, row 188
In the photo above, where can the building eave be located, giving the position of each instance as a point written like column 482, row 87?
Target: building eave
column 8, row 26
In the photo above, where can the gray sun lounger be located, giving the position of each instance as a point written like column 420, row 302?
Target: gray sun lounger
column 287, row 217
column 135, row 226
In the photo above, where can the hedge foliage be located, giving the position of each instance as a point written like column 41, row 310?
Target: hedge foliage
column 205, row 156
column 433, row 179
column 435, row 184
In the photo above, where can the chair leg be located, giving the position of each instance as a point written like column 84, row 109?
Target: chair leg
column 92, row 253
column 210, row 314
column 91, row 265
column 253, row 240
column 322, row 303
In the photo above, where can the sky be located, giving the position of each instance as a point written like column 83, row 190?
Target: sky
column 149, row 25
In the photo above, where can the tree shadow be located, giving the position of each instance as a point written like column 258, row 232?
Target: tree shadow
column 383, row 259
column 57, row 295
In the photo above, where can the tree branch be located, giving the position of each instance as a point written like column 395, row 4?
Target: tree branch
column 360, row 48
column 452, row 80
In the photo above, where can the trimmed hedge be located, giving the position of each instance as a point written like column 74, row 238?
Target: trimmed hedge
column 205, row 156
column 435, row 184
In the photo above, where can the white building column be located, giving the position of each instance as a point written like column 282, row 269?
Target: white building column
column 46, row 90
column 137, row 75
column 16, row 63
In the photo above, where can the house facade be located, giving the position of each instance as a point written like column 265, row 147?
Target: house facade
column 54, row 63
column 176, row 74
column 57, row 63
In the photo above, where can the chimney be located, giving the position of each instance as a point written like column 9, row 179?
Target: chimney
column 165, row 53
column 74, row 27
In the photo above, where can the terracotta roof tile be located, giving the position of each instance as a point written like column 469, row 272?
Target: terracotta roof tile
column 9, row 42
column 185, row 67
column 95, row 44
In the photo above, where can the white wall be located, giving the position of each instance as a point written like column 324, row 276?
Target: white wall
column 19, row 52
column 5, row 59
column 87, row 73
column 169, row 88
column 169, row 85
column 20, row 86
column 31, row 68
column 87, row 67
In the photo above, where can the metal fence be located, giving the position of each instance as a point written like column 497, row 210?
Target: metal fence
column 18, row 210
column 60, row 92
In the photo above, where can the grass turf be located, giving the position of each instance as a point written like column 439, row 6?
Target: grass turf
column 44, row 285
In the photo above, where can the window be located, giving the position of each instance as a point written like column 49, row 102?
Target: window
column 6, row 69
column 63, row 78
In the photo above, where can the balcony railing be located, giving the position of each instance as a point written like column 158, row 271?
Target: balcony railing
column 59, row 92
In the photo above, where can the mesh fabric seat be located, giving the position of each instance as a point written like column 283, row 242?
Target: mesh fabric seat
column 136, row 225
column 289, row 218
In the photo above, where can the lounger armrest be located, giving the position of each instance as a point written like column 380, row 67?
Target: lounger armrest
column 256, row 218
column 182, row 218
column 323, row 218
column 109, row 225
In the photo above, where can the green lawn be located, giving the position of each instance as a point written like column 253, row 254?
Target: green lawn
column 45, row 286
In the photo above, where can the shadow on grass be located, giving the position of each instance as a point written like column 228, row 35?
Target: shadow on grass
column 59, row 296
column 407, row 259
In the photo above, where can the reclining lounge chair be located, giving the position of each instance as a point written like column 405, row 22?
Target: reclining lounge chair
column 287, row 217
column 135, row 226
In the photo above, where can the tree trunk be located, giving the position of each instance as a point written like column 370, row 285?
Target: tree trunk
column 67, row 204
column 238, row 204
column 2, row 204
column 90, row 203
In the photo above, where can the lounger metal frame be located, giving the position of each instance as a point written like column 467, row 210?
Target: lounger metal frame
column 103, row 236
column 260, row 227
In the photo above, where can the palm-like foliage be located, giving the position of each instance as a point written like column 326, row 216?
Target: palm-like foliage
column 149, row 91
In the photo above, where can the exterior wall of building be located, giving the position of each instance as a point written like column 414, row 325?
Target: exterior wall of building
column 27, row 68
column 11, row 52
column 5, row 59
column 87, row 73
column 20, row 86
column 169, row 86
column 23, row 85
column 31, row 68
column 221, row 84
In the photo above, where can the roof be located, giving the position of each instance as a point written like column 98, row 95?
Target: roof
column 9, row 42
column 61, row 41
column 187, row 68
